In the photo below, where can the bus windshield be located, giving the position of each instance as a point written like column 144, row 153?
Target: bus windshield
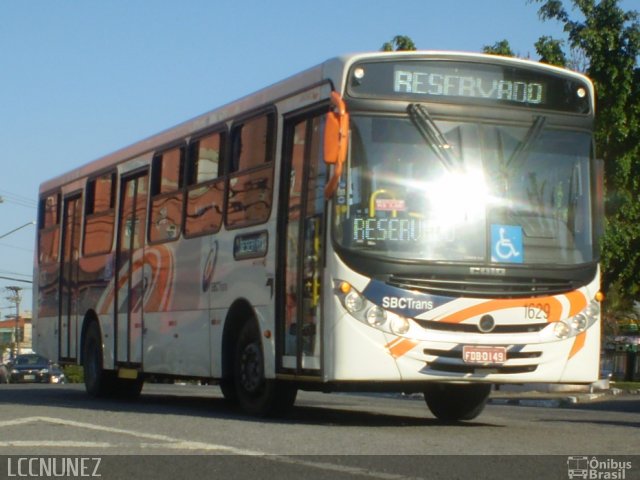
column 453, row 191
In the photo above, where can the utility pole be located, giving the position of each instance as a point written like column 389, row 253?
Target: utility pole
column 16, row 297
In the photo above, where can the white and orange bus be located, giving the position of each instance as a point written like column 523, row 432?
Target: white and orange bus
column 412, row 222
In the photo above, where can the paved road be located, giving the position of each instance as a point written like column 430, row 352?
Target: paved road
column 337, row 436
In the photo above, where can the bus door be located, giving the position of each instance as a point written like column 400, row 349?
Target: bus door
column 69, row 278
column 301, row 247
column 129, row 267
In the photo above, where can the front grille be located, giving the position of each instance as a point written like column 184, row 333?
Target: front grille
column 459, row 367
column 465, row 327
column 481, row 286
column 445, row 367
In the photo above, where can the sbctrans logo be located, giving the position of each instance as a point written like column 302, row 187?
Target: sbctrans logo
column 597, row 468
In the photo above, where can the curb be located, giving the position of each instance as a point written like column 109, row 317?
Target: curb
column 566, row 401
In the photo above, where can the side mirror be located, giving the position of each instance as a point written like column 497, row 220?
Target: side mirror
column 336, row 141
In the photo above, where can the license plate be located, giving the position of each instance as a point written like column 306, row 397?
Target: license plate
column 484, row 355
column 29, row 377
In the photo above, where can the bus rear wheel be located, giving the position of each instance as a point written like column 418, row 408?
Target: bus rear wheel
column 255, row 394
column 126, row 389
column 453, row 402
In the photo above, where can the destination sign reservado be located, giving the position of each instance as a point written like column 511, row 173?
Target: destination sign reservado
column 470, row 82
column 467, row 84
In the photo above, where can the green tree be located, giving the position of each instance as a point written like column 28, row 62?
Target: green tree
column 499, row 48
column 551, row 52
column 609, row 38
column 399, row 43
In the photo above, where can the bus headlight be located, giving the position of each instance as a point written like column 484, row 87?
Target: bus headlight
column 353, row 301
column 593, row 309
column 561, row 330
column 578, row 323
column 369, row 313
column 399, row 325
column 376, row 316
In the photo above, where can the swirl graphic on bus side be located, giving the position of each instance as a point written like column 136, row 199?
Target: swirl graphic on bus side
column 154, row 267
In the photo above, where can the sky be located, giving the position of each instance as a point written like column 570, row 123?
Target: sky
column 80, row 79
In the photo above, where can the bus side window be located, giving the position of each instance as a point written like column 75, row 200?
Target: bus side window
column 205, row 190
column 250, row 190
column 99, row 215
column 49, row 229
column 165, row 221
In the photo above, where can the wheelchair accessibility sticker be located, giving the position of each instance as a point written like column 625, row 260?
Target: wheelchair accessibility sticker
column 506, row 244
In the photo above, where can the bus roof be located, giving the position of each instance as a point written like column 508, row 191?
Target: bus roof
column 332, row 71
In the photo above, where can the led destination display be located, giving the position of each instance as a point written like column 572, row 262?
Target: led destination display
column 469, row 82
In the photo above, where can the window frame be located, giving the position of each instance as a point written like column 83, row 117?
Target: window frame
column 43, row 228
column 155, row 188
column 271, row 114
column 90, row 214
column 190, row 176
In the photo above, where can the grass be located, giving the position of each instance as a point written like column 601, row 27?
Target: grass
column 73, row 374
column 626, row 385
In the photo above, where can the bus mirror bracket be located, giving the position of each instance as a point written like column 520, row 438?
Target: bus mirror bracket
column 336, row 139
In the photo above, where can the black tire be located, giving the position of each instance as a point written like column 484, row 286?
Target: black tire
column 255, row 394
column 97, row 382
column 453, row 402
column 126, row 389
column 228, row 388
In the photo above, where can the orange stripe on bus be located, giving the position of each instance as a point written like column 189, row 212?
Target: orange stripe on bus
column 578, row 343
column 393, row 342
column 578, row 302
column 555, row 308
column 399, row 348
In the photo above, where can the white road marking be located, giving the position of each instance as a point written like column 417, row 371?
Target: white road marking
column 167, row 442
column 54, row 443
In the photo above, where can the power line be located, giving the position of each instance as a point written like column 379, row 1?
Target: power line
column 15, row 279
column 17, row 202
column 7, row 272
column 17, row 228
column 19, row 199
column 30, row 250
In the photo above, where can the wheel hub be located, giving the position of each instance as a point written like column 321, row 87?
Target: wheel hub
column 251, row 374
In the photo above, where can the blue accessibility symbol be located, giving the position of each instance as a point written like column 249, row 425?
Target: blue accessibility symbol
column 506, row 244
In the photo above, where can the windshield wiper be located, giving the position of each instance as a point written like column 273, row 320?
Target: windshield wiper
column 420, row 117
column 532, row 135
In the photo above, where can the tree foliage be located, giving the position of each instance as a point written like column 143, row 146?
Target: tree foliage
column 399, row 43
column 609, row 38
column 550, row 51
column 499, row 48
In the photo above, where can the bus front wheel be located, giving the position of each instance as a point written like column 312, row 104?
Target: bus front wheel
column 453, row 402
column 255, row 394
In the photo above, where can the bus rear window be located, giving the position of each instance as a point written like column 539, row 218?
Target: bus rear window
column 49, row 229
